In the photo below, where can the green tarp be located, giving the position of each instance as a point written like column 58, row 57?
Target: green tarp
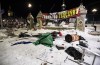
column 45, row 39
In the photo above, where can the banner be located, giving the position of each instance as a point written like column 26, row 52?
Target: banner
column 62, row 15
column 69, row 13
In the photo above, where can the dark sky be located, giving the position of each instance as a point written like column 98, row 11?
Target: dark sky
column 19, row 7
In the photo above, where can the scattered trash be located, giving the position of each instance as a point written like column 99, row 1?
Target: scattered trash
column 98, row 48
column 22, row 42
column 23, row 35
column 44, row 61
column 59, row 48
column 66, row 59
column 51, row 50
column 44, row 64
column 51, row 56
column 1, row 41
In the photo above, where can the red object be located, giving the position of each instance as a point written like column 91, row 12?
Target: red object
column 60, row 34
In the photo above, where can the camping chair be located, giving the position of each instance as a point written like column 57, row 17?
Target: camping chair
column 95, row 54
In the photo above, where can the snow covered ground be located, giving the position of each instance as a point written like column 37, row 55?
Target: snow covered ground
column 29, row 54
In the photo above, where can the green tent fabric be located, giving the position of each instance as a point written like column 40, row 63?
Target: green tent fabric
column 45, row 39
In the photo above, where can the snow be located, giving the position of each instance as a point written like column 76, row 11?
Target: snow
column 29, row 54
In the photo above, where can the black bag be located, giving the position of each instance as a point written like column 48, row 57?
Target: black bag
column 81, row 38
column 74, row 53
column 83, row 43
column 59, row 48
column 23, row 35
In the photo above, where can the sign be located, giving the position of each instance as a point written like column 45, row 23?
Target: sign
column 69, row 13
column 80, row 24
column 62, row 15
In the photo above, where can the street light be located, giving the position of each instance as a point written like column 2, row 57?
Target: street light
column 29, row 5
column 94, row 11
column 63, row 5
column 85, row 19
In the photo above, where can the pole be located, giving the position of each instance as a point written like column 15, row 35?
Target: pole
column 1, row 17
column 93, row 18
column 75, row 23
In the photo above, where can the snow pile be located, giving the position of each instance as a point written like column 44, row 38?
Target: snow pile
column 2, row 35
